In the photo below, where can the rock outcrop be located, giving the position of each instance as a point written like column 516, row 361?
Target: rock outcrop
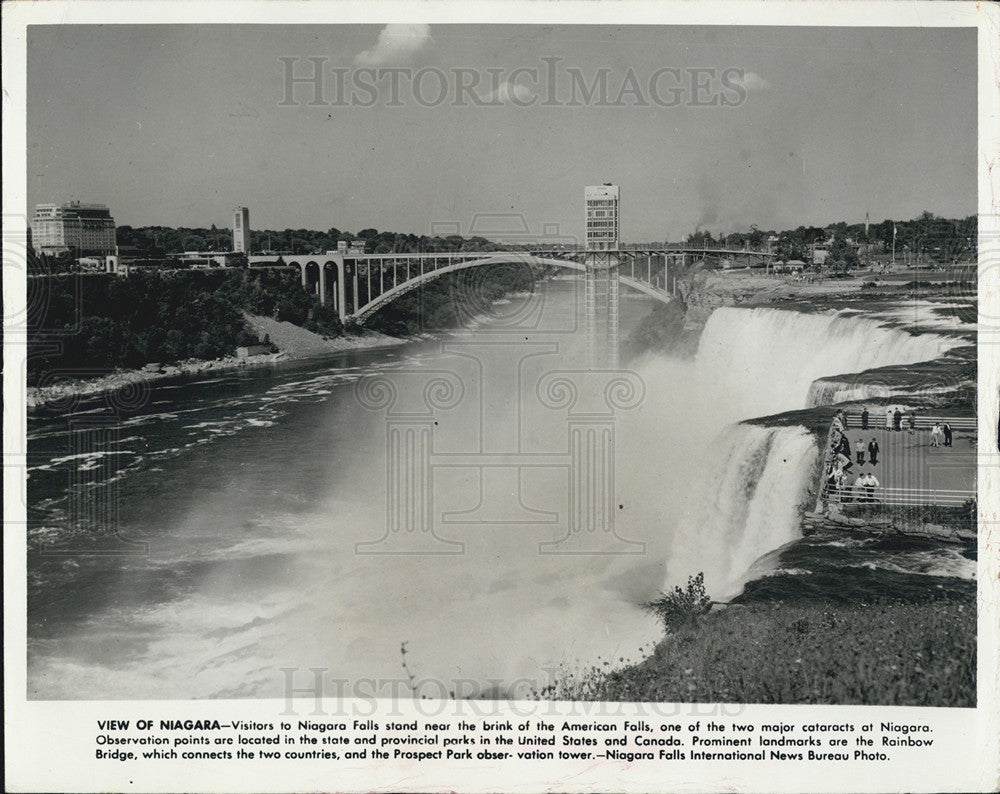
column 834, row 519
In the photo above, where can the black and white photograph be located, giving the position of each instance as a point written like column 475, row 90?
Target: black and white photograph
column 456, row 363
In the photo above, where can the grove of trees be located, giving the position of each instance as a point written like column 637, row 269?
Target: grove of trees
column 100, row 321
column 296, row 241
column 933, row 238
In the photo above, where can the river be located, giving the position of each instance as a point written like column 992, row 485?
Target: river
column 242, row 500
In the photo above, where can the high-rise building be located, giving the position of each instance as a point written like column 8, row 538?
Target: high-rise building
column 241, row 230
column 75, row 228
column 603, row 220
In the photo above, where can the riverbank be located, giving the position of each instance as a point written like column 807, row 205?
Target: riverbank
column 875, row 653
column 292, row 343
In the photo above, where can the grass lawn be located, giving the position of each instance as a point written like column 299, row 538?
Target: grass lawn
column 861, row 654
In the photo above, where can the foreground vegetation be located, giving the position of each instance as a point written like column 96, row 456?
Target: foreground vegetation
column 899, row 654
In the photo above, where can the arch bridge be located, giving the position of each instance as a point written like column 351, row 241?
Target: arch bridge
column 361, row 284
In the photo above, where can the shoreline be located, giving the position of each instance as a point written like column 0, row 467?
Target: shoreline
column 294, row 343
column 37, row 397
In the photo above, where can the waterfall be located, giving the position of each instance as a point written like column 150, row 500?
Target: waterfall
column 745, row 505
column 726, row 492
column 767, row 359
column 827, row 391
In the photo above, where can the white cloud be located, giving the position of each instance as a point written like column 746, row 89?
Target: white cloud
column 396, row 45
column 753, row 82
column 509, row 92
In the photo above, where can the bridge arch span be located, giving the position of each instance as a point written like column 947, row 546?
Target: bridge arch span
column 381, row 301
column 319, row 264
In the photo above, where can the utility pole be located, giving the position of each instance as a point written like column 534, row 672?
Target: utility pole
column 867, row 245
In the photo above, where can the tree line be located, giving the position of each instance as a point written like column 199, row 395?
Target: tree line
column 939, row 239
column 99, row 322
column 162, row 240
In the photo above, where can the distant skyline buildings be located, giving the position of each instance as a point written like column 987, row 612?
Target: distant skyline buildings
column 241, row 230
column 88, row 229
column 74, row 227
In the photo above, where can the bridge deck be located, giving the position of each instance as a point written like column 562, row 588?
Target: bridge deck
column 365, row 282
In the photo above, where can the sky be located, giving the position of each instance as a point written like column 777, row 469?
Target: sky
column 177, row 125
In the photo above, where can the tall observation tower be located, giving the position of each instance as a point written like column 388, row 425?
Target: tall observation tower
column 601, row 277
column 603, row 220
column 241, row 230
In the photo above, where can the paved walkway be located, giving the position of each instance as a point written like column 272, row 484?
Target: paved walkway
column 907, row 460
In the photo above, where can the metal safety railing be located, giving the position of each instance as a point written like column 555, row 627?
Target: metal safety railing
column 913, row 497
column 922, row 422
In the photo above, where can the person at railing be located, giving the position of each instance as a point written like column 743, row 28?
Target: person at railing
column 864, row 419
column 870, row 483
column 835, row 484
column 838, row 425
column 888, row 417
column 947, row 434
column 843, row 454
column 897, row 420
column 859, row 487
column 913, row 423
column 936, row 434
column 873, row 451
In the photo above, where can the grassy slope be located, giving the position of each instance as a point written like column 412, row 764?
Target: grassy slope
column 884, row 654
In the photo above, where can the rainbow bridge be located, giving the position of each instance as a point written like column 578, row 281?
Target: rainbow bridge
column 361, row 284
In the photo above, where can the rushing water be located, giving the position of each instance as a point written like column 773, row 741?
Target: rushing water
column 252, row 489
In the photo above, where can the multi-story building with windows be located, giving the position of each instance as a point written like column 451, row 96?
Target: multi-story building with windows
column 75, row 228
column 241, row 230
column 603, row 219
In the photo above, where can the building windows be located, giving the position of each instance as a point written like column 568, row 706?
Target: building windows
column 241, row 230
column 603, row 221
column 77, row 228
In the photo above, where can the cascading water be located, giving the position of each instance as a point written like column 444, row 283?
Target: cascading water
column 767, row 359
column 827, row 391
column 732, row 492
column 746, row 503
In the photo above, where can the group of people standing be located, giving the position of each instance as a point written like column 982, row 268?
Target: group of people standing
column 894, row 418
column 841, row 464
column 841, row 461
